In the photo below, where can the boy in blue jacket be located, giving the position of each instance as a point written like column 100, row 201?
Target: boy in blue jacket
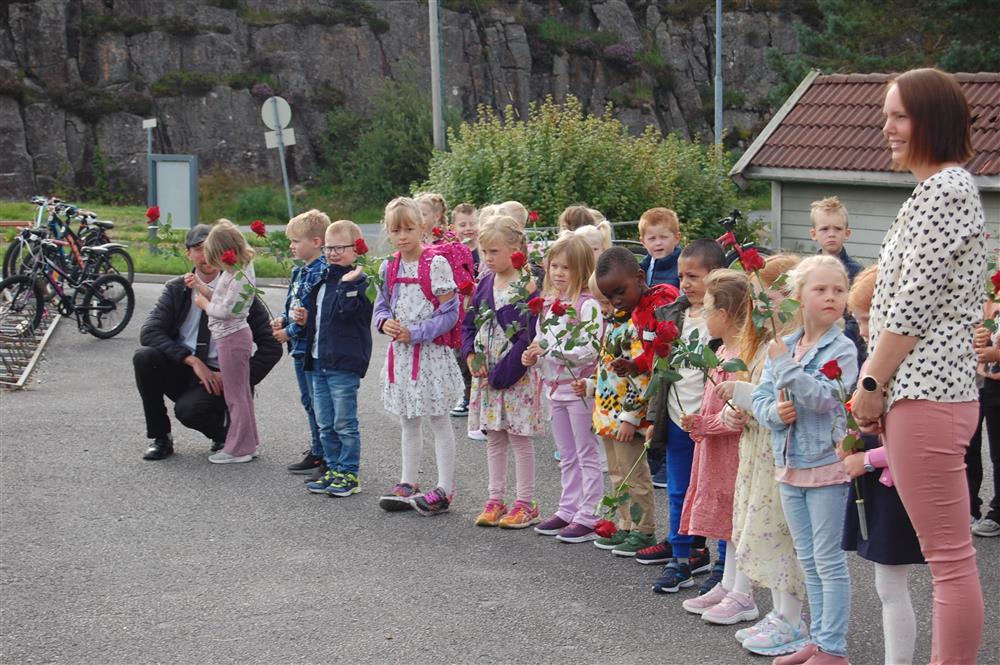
column 339, row 342
column 660, row 234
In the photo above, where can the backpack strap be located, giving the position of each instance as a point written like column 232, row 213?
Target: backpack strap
column 424, row 276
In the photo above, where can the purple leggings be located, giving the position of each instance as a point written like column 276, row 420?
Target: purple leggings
column 580, row 461
column 234, row 363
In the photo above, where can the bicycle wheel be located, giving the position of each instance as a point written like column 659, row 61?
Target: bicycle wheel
column 18, row 259
column 118, row 262
column 20, row 306
column 107, row 306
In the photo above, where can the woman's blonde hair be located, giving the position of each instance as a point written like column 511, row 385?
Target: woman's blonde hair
column 226, row 235
column 574, row 217
column 402, row 212
column 504, row 229
column 437, row 204
column 799, row 276
column 579, row 257
column 599, row 235
column 859, row 298
column 752, row 338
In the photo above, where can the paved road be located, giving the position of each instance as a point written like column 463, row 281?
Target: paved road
column 107, row 558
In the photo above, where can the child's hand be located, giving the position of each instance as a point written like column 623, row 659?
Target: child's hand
column 854, row 464
column 536, row 349
column 579, row 387
column 191, row 280
column 785, row 408
column 277, row 322
column 391, row 327
column 403, row 335
column 200, row 301
column 987, row 354
column 300, row 315
column 776, row 348
column 530, row 355
column 725, row 390
column 476, row 372
column 624, row 367
column 353, row 275
column 280, row 335
column 734, row 419
column 689, row 421
column 626, row 432
column 982, row 337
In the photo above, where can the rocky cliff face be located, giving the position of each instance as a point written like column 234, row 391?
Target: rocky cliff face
column 78, row 76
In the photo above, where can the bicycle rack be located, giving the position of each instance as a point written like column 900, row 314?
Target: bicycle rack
column 21, row 348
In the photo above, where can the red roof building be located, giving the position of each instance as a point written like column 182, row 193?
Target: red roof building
column 826, row 140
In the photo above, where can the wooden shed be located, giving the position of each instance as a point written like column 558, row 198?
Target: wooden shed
column 826, row 140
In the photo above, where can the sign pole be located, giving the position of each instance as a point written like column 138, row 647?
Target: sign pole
column 148, row 125
column 281, row 156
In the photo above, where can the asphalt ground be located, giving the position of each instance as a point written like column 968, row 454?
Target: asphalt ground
column 106, row 558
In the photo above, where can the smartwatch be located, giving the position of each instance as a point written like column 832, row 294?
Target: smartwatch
column 869, row 383
column 868, row 465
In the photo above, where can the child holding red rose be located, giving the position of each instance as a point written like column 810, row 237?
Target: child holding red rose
column 505, row 400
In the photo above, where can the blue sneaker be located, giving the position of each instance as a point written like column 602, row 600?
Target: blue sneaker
column 319, row 485
column 346, row 484
column 715, row 578
column 675, row 576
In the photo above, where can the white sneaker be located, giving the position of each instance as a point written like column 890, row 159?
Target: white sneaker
column 223, row 457
column 477, row 435
column 986, row 528
column 778, row 638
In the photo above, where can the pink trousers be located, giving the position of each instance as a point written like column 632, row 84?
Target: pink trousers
column 579, row 461
column 926, row 444
column 234, row 363
column 497, row 444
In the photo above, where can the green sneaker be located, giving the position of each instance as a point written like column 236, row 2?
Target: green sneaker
column 346, row 484
column 636, row 541
column 612, row 541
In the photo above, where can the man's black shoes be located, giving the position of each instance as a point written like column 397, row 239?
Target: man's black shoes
column 161, row 448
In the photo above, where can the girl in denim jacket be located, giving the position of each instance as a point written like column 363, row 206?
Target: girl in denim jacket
column 805, row 413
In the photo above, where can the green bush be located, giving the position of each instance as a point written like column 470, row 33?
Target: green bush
column 87, row 103
column 560, row 156
column 95, row 24
column 177, row 83
column 266, row 202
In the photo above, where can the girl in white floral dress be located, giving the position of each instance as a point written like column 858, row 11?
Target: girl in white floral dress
column 505, row 401
column 417, row 307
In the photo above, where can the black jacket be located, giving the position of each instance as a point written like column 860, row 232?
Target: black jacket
column 161, row 330
column 345, row 336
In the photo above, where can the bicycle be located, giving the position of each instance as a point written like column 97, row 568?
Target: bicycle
column 95, row 301
column 732, row 257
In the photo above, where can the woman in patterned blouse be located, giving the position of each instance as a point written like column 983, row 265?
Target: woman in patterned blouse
column 920, row 381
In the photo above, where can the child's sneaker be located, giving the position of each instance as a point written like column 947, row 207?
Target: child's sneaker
column 676, row 575
column 522, row 516
column 701, row 561
column 552, row 526
column 577, row 533
column 319, row 485
column 735, row 607
column 636, row 541
column 307, row 465
column 461, row 409
column 612, row 541
column 712, row 580
column 777, row 638
column 700, row 604
column 743, row 634
column 398, row 497
column 799, row 657
column 492, row 512
column 431, row 503
column 476, row 434
column 345, row 485
column 659, row 553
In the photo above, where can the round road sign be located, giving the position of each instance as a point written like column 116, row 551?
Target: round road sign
column 272, row 105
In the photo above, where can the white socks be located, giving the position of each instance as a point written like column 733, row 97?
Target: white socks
column 444, row 449
column 899, row 625
column 732, row 578
column 787, row 606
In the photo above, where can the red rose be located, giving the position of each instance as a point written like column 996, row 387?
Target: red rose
column 517, row 260
column 228, row 257
column 258, row 227
column 996, row 281
column 727, row 239
column 662, row 347
column 153, row 214
column 437, row 232
column 558, row 308
column 466, row 287
column 533, row 217
column 831, row 370
column 751, row 260
column 667, row 331
column 605, row 528
column 360, row 247
column 536, row 305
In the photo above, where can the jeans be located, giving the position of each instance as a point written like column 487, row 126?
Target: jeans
column 335, row 403
column 815, row 518
column 305, row 394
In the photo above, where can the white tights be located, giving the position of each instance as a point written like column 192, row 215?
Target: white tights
column 899, row 625
column 444, row 449
column 734, row 579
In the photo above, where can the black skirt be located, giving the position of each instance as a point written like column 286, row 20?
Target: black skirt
column 891, row 539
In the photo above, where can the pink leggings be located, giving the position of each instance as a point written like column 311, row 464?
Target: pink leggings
column 234, row 362
column 579, row 461
column 926, row 443
column 524, row 464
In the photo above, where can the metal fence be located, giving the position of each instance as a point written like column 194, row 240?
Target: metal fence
column 21, row 347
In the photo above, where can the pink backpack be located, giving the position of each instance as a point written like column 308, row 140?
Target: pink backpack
column 459, row 257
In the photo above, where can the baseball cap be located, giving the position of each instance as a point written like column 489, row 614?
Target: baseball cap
column 197, row 235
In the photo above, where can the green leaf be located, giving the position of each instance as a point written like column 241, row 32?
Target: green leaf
column 734, row 365
column 544, row 343
column 764, row 297
column 711, row 360
column 636, row 513
column 991, row 325
column 852, row 444
column 672, row 375
column 238, row 307
column 609, row 501
column 696, row 361
column 780, row 281
column 789, row 306
column 651, row 389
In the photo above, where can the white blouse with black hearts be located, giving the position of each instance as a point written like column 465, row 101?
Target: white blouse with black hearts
column 931, row 285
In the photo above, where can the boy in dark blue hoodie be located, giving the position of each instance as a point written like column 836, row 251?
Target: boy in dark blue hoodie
column 660, row 234
column 339, row 339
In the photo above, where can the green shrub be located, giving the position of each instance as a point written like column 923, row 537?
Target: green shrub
column 87, row 103
column 177, row 83
column 561, row 36
column 95, row 24
column 560, row 156
column 266, row 202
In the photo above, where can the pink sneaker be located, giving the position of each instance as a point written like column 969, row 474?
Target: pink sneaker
column 699, row 604
column 735, row 607
column 797, row 658
column 824, row 658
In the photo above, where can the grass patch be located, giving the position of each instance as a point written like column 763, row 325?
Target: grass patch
column 564, row 37
column 177, row 83
column 95, row 24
